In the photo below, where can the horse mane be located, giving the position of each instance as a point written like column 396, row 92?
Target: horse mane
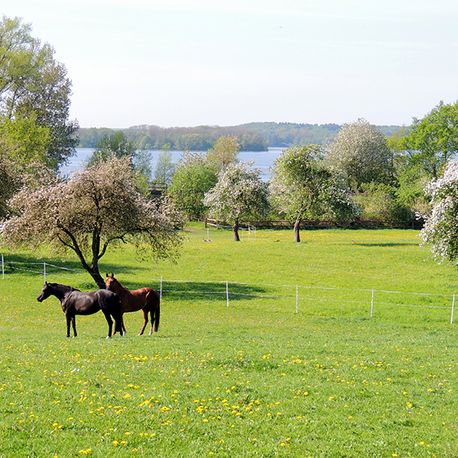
column 65, row 286
column 118, row 283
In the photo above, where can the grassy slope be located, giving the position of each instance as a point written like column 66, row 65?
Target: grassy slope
column 253, row 379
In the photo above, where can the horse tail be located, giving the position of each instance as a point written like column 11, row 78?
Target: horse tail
column 154, row 302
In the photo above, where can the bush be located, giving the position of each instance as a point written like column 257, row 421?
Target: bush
column 379, row 202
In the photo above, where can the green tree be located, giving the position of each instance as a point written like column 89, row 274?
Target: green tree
column 302, row 188
column 112, row 145
column 433, row 140
column 411, row 183
column 142, row 164
column 165, row 168
column 192, row 179
column 9, row 182
column 25, row 141
column 95, row 209
column 239, row 194
column 23, row 146
column 360, row 152
column 34, row 85
column 223, row 152
column 380, row 202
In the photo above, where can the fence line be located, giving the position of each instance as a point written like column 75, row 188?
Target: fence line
column 226, row 292
column 330, row 288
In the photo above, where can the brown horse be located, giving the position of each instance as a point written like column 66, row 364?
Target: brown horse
column 145, row 299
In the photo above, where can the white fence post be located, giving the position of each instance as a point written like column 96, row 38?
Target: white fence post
column 452, row 314
column 44, row 272
column 227, row 294
column 372, row 303
column 160, row 290
column 297, row 299
column 3, row 268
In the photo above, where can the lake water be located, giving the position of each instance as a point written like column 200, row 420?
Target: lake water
column 262, row 160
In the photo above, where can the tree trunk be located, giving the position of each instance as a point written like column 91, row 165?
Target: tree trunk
column 95, row 274
column 297, row 226
column 235, row 229
column 92, row 269
column 96, row 255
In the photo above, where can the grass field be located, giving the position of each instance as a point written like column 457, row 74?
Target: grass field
column 251, row 379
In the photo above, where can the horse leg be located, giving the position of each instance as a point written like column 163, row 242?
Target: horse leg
column 69, row 320
column 74, row 325
column 122, row 327
column 119, row 324
column 145, row 322
column 152, row 322
column 109, row 321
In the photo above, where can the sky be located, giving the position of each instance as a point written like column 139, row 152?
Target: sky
column 227, row 62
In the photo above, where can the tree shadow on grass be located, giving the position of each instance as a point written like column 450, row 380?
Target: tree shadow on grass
column 68, row 272
column 387, row 244
column 203, row 291
column 27, row 264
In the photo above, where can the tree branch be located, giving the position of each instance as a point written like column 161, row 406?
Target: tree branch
column 75, row 247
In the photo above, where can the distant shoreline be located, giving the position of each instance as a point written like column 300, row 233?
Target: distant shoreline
column 251, row 137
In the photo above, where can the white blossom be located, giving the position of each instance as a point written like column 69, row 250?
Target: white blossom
column 441, row 226
column 239, row 194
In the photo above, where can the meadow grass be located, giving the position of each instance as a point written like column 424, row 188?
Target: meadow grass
column 251, row 379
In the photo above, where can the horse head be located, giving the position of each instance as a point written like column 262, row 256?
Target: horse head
column 45, row 292
column 54, row 289
column 110, row 282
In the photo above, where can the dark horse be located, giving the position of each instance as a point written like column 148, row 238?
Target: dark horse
column 145, row 299
column 74, row 302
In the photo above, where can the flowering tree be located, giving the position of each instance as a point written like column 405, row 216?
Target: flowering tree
column 361, row 153
column 301, row 187
column 239, row 194
column 98, row 207
column 441, row 227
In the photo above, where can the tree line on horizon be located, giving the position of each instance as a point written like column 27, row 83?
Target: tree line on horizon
column 256, row 136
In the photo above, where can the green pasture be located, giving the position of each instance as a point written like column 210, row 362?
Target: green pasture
column 251, row 379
